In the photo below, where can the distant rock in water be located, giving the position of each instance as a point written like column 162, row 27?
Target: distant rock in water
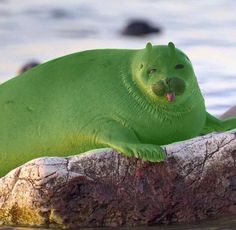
column 28, row 66
column 139, row 28
column 59, row 13
column 229, row 113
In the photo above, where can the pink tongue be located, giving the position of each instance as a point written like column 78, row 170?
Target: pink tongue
column 170, row 97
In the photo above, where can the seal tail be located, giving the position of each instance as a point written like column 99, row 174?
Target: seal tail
column 229, row 123
column 214, row 124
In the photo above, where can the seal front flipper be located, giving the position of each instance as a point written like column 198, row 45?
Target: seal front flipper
column 147, row 152
column 124, row 140
column 214, row 124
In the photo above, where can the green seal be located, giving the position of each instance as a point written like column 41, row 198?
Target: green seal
column 130, row 100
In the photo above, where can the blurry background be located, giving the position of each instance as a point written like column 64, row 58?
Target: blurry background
column 41, row 30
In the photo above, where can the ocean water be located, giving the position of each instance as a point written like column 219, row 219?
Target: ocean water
column 205, row 30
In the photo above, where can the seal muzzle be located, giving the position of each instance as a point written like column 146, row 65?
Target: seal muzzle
column 170, row 88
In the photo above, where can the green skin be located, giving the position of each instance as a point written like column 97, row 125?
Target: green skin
column 130, row 100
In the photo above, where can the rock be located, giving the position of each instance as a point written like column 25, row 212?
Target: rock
column 28, row 66
column 229, row 113
column 139, row 28
column 104, row 188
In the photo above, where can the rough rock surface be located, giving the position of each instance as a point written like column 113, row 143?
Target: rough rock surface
column 104, row 188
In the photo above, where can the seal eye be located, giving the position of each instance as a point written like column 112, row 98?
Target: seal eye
column 152, row 71
column 179, row 66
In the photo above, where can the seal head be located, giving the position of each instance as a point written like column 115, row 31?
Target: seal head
column 165, row 74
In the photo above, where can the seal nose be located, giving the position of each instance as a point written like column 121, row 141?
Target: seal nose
column 169, row 87
column 168, row 80
column 175, row 84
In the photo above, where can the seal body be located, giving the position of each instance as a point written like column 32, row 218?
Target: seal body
column 130, row 100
